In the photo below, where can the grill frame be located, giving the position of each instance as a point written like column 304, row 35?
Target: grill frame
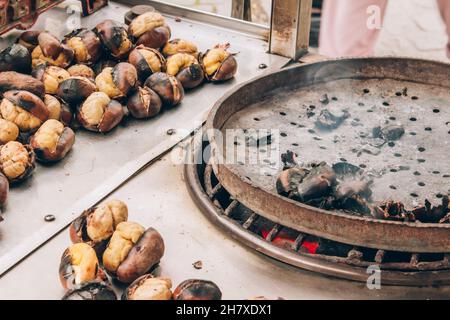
column 203, row 194
column 359, row 231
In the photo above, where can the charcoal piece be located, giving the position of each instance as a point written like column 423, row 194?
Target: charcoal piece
column 329, row 121
column 324, row 99
column 289, row 180
column 392, row 133
column 289, row 159
column 317, row 184
column 256, row 140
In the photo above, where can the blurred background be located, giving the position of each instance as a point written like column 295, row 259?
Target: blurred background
column 411, row 28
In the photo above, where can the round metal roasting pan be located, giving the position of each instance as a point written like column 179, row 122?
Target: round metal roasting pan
column 341, row 227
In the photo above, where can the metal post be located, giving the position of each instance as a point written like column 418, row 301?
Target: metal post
column 241, row 9
column 290, row 27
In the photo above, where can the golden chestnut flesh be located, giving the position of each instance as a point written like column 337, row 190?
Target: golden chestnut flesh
column 167, row 87
column 51, row 76
column 81, row 70
column 76, row 89
column 219, row 64
column 150, row 30
column 195, row 289
column 86, row 46
column 115, row 38
column 17, row 161
column 63, row 60
column 52, row 141
column 180, row 46
column 117, row 82
column 23, row 108
column 99, row 113
column 58, row 110
column 144, row 103
column 146, row 61
column 186, row 69
column 15, row 58
column 9, row 131
column 148, row 287
column 79, row 265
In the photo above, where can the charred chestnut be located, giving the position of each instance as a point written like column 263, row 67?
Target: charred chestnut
column 17, row 161
column 81, row 70
column 4, row 190
column 148, row 287
column 76, row 89
column 15, row 58
column 197, row 290
column 114, row 37
column 132, row 251
column 144, row 103
column 146, row 61
column 180, row 46
column 52, row 141
column 10, row 80
column 51, row 76
column 118, row 81
column 50, row 50
column 79, row 265
column 23, row 108
column 94, row 290
column 85, row 44
column 150, row 29
column 99, row 113
column 219, row 64
column 29, row 39
column 167, row 87
column 102, row 64
column 186, row 68
column 96, row 225
column 9, row 131
column 58, row 110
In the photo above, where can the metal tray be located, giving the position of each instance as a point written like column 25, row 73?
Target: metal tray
column 283, row 101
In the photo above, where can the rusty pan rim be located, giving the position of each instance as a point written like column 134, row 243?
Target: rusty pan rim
column 229, row 178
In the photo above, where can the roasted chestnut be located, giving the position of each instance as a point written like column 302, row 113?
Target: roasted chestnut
column 15, row 58
column 94, row 290
column 29, row 39
column 96, row 225
column 99, row 113
column 144, row 103
column 114, row 38
column 118, row 81
column 186, row 68
column 76, row 89
column 51, row 76
column 132, row 251
column 81, row 70
column 219, row 64
column 102, row 64
column 10, row 80
column 58, row 110
column 52, row 141
column 146, row 61
column 150, row 29
column 167, row 87
column 180, row 46
column 4, row 190
column 17, row 161
column 9, row 131
column 79, row 265
column 23, row 108
column 197, row 290
column 50, row 50
column 148, row 287
column 85, row 44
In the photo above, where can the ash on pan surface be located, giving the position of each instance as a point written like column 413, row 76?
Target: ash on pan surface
column 398, row 133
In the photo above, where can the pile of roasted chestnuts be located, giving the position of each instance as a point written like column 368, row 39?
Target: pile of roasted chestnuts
column 92, row 79
column 106, row 243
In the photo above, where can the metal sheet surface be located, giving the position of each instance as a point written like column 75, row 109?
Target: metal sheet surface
column 98, row 164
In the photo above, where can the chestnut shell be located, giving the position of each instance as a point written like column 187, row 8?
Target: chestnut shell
column 111, row 34
column 64, row 145
column 144, row 103
column 112, row 116
column 15, row 58
column 94, row 290
column 76, row 89
column 195, row 289
column 155, row 38
column 133, row 285
column 91, row 41
column 167, row 87
column 138, row 61
column 29, row 170
column 29, row 102
column 29, row 39
column 226, row 70
column 11, row 80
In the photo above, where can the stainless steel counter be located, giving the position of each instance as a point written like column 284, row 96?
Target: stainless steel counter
column 100, row 163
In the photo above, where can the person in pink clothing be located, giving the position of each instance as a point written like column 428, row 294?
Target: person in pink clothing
column 350, row 27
